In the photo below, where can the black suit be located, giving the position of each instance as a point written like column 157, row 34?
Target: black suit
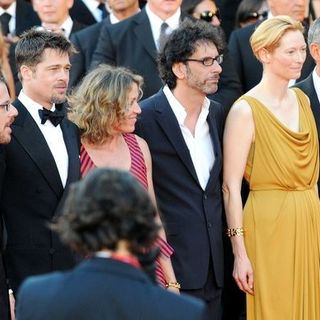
column 307, row 86
column 26, row 17
column 85, row 42
column 31, row 192
column 248, row 67
column 101, row 289
column 130, row 44
column 81, row 12
column 192, row 217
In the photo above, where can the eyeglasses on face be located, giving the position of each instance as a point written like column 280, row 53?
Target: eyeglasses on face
column 209, row 15
column 208, row 61
column 6, row 106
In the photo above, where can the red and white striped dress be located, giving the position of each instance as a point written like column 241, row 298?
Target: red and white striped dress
column 138, row 169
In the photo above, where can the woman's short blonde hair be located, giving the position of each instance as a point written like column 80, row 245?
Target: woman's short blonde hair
column 101, row 101
column 269, row 33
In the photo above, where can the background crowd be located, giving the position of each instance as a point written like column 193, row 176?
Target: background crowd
column 188, row 97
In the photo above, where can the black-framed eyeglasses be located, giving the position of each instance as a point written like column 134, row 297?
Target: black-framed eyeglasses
column 6, row 106
column 208, row 61
column 209, row 15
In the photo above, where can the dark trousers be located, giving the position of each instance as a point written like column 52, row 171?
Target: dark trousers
column 211, row 294
column 4, row 297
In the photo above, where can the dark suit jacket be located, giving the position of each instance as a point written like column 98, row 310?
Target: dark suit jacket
column 81, row 13
column 101, row 289
column 85, row 42
column 248, row 67
column 192, row 217
column 307, row 86
column 26, row 17
column 31, row 191
column 129, row 43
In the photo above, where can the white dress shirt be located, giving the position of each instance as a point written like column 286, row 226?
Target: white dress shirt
column 200, row 145
column 12, row 11
column 156, row 22
column 316, row 83
column 92, row 5
column 53, row 136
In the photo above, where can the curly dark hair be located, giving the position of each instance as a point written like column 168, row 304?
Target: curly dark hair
column 183, row 42
column 105, row 207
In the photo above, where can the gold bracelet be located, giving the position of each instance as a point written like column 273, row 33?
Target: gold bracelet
column 172, row 284
column 231, row 232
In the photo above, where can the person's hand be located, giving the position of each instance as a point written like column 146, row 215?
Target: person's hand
column 243, row 274
column 12, row 303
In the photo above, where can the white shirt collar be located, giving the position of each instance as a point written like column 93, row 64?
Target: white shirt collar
column 113, row 18
column 11, row 10
column 179, row 110
column 156, row 22
column 67, row 27
column 316, row 82
column 32, row 106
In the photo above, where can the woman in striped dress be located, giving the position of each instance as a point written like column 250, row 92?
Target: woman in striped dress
column 105, row 108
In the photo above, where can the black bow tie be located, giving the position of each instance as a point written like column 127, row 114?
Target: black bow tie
column 55, row 117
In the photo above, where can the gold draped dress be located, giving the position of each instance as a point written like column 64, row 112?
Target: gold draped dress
column 282, row 216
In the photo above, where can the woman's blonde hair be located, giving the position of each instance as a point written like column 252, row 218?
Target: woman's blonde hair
column 101, row 101
column 269, row 33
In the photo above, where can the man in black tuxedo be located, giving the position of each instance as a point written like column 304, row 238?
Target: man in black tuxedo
column 311, row 85
column 134, row 42
column 86, row 40
column 41, row 160
column 111, row 284
column 7, row 115
column 248, row 67
column 183, row 130
column 21, row 16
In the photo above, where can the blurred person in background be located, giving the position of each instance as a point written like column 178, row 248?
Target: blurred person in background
column 110, row 217
column 250, row 11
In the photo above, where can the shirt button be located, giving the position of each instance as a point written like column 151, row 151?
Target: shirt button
column 209, row 225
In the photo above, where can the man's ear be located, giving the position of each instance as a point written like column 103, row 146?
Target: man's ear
column 26, row 72
column 179, row 69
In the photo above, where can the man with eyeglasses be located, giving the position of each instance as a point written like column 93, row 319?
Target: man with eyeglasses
column 183, row 129
column 7, row 115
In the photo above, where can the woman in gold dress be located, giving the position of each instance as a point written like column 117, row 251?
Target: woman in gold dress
column 271, row 139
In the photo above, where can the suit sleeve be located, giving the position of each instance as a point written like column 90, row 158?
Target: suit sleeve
column 77, row 62
column 105, row 51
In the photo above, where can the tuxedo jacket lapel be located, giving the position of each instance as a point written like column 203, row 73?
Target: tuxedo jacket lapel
column 169, row 124
column 216, row 147
column 31, row 139
column 72, row 142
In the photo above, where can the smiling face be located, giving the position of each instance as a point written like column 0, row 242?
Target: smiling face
column 47, row 82
column 287, row 59
column 127, row 125
column 6, row 117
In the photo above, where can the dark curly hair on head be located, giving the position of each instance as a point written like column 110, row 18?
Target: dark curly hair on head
column 183, row 42
column 105, row 207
